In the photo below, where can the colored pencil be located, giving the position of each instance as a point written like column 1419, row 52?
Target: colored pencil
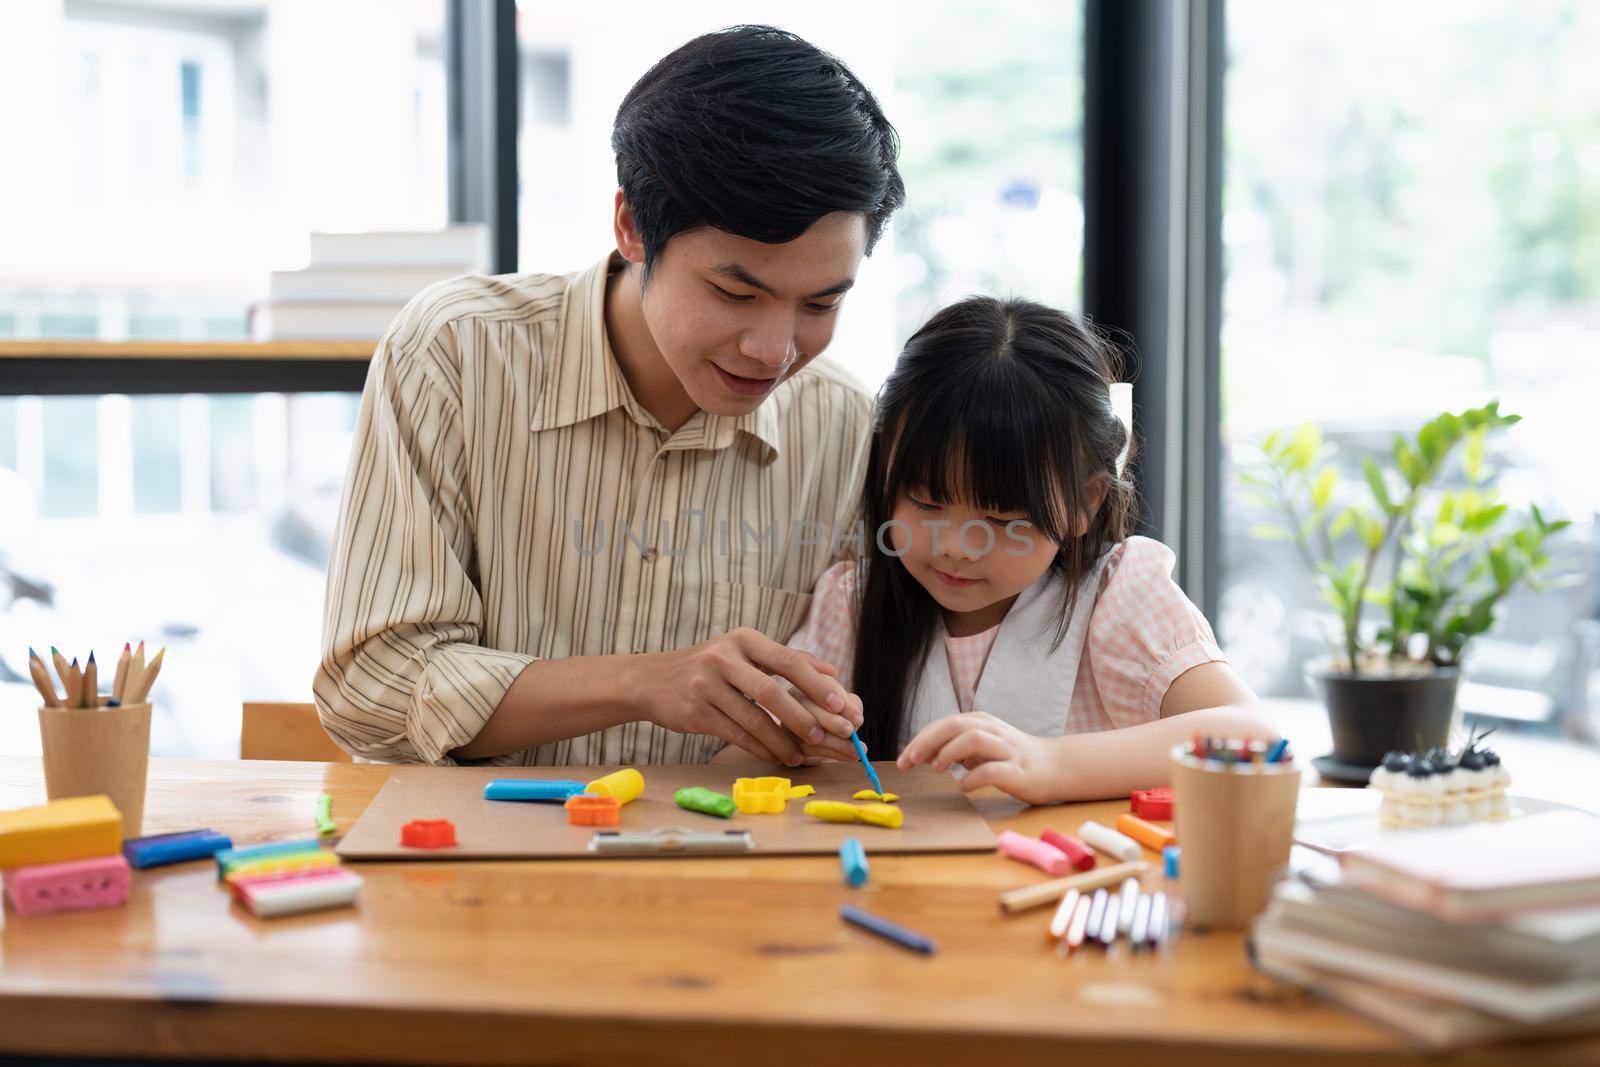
column 75, row 684
column 42, row 682
column 884, row 928
column 122, row 671
column 135, row 678
column 149, row 678
column 63, row 672
column 91, row 683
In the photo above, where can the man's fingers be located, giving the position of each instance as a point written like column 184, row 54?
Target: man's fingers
column 759, row 724
column 772, row 693
column 837, row 725
column 821, row 666
column 854, row 710
column 834, row 749
column 740, row 738
column 796, row 666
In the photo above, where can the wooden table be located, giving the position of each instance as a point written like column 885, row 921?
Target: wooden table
column 692, row 961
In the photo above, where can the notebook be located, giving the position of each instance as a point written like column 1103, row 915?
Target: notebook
column 1486, row 871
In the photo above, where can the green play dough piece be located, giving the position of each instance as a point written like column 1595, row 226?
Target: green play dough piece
column 701, row 799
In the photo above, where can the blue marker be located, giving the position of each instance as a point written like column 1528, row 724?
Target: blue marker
column 853, row 858
column 1276, row 752
column 1169, row 861
column 531, row 789
column 861, row 751
column 884, row 928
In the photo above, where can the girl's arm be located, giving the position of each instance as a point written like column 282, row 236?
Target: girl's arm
column 1210, row 699
column 1207, row 699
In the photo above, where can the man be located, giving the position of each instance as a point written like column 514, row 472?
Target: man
column 583, row 512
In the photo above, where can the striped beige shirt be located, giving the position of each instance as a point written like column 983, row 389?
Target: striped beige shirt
column 508, row 499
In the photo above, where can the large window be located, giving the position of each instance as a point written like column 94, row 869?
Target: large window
column 1412, row 223
column 162, row 158
column 988, row 102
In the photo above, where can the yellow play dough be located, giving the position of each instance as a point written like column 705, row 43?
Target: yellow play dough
column 885, row 815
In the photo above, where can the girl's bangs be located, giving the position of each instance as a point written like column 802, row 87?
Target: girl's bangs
column 990, row 451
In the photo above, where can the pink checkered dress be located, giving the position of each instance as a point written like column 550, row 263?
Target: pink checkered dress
column 1143, row 633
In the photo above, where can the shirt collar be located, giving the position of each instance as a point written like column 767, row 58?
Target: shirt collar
column 590, row 383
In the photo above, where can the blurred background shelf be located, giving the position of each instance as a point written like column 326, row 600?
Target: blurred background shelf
column 88, row 368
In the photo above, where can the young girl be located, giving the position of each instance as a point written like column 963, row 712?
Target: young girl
column 1001, row 617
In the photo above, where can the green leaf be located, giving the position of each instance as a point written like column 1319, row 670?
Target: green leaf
column 1371, row 531
column 1409, row 463
column 1303, row 447
column 1266, row 531
column 1380, row 491
column 1472, row 456
column 1500, row 565
column 1256, row 479
column 1430, row 441
column 1322, row 490
column 1480, row 521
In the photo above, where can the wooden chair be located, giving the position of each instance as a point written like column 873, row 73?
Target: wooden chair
column 288, row 732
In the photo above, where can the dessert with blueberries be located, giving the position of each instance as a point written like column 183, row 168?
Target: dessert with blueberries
column 1441, row 788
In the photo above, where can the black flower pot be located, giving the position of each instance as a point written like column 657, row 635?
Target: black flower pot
column 1370, row 715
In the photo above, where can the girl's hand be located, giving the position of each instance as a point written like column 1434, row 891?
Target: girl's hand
column 993, row 751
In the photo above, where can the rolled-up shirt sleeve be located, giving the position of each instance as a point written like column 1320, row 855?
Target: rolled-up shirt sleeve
column 403, row 678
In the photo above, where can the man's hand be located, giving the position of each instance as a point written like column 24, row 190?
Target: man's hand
column 728, row 685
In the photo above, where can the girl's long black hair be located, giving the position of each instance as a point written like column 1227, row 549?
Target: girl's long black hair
column 1003, row 404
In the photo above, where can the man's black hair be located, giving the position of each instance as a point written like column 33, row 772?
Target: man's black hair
column 757, row 132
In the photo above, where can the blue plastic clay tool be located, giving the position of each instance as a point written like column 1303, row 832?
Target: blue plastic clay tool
column 861, row 752
column 853, row 859
column 1169, row 860
column 557, row 790
column 884, row 928
column 161, row 849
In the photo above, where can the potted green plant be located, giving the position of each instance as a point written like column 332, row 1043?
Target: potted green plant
column 1413, row 571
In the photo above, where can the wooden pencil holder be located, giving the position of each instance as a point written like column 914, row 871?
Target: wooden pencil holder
column 93, row 751
column 1235, row 827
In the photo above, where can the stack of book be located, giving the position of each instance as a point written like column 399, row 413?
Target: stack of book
column 1453, row 936
column 356, row 283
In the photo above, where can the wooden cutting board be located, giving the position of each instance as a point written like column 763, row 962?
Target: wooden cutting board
column 938, row 816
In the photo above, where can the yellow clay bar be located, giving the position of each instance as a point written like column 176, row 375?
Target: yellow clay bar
column 798, row 791
column 831, row 810
column 867, row 794
column 885, row 815
column 625, row 785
